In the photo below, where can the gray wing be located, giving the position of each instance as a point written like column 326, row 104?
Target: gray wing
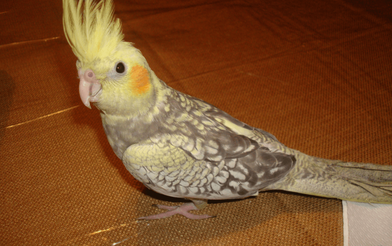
column 206, row 154
column 255, row 169
column 172, row 171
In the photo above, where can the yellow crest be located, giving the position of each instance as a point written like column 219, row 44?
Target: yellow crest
column 90, row 29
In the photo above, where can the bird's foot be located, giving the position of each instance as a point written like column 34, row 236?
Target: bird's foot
column 172, row 210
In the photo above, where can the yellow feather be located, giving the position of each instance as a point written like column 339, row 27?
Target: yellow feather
column 90, row 29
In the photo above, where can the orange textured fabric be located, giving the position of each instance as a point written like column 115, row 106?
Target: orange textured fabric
column 316, row 74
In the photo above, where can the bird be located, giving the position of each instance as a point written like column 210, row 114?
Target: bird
column 183, row 147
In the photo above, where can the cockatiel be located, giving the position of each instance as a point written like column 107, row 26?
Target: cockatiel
column 181, row 146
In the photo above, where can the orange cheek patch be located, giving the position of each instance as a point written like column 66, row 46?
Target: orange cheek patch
column 139, row 81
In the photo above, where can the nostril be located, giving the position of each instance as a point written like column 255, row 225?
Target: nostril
column 89, row 76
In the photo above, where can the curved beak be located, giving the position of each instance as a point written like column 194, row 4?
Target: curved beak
column 89, row 87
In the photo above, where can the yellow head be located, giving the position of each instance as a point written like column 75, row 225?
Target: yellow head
column 113, row 74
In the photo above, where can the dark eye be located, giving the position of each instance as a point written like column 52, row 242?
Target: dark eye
column 120, row 68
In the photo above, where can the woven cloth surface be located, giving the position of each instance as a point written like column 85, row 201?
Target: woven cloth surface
column 316, row 74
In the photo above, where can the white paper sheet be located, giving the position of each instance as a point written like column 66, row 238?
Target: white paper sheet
column 367, row 224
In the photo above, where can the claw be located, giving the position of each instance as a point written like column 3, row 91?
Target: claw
column 172, row 210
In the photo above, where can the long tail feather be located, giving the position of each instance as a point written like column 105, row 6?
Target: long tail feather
column 350, row 181
column 374, row 180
